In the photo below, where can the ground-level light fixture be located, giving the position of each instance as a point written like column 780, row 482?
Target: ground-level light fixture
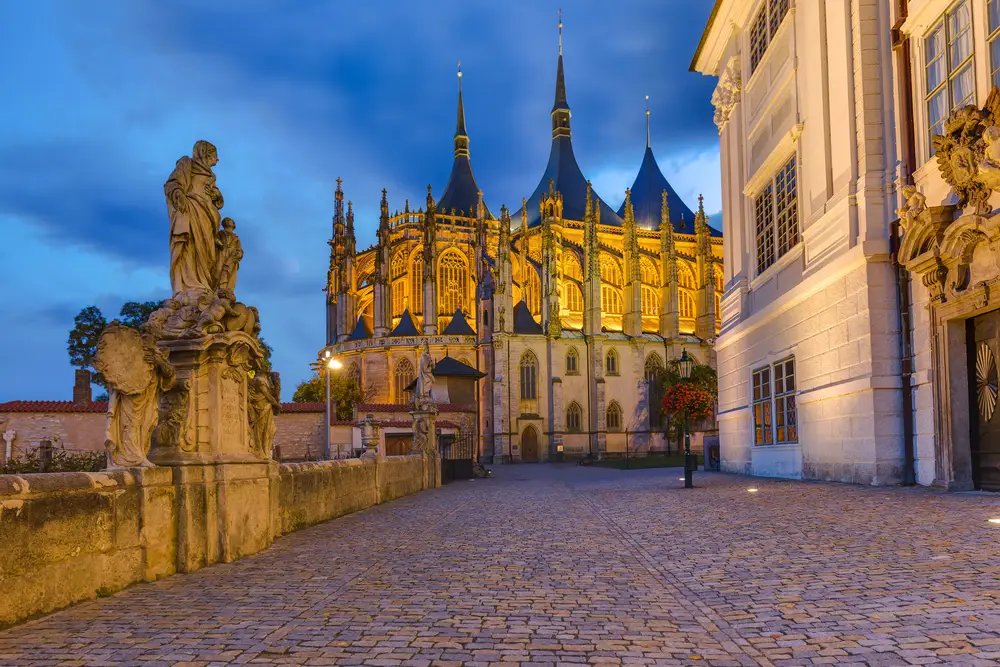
column 994, row 520
column 752, row 490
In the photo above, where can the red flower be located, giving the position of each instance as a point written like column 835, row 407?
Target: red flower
column 686, row 399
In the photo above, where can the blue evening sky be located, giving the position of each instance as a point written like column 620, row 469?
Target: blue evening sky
column 99, row 99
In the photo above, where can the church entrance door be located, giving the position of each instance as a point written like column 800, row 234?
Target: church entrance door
column 529, row 445
column 984, row 355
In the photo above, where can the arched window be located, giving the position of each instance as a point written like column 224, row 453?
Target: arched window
column 574, row 418
column 529, row 376
column 398, row 297
column 417, row 286
column 573, row 297
column 650, row 274
column 572, row 362
column 720, row 286
column 453, row 283
column 571, row 265
column 611, row 300
column 354, row 373
column 611, row 273
column 614, row 417
column 397, row 267
column 533, row 291
column 401, row 379
column 611, row 362
column 685, row 277
column 718, row 306
column 654, row 389
column 685, row 304
column 650, row 301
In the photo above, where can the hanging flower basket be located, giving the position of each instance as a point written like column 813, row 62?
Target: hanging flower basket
column 688, row 400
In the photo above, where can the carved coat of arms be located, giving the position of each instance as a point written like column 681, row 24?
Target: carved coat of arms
column 961, row 152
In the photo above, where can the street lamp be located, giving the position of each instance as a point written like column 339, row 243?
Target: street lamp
column 684, row 365
column 332, row 363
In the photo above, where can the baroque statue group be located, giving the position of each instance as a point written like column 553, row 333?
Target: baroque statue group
column 192, row 384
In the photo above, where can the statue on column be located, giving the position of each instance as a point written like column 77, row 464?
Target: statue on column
column 137, row 373
column 425, row 378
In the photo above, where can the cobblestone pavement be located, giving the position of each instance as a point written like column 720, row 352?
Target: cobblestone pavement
column 554, row 564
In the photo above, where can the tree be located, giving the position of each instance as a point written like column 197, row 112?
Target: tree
column 82, row 344
column 268, row 351
column 135, row 313
column 345, row 393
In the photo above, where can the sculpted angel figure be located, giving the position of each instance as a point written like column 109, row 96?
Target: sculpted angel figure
column 264, row 393
column 229, row 253
column 193, row 203
column 989, row 166
column 137, row 373
column 425, row 376
column 914, row 204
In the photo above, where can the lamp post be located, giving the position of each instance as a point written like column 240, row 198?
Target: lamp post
column 331, row 363
column 684, row 364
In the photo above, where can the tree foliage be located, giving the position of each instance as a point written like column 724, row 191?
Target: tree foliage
column 82, row 343
column 345, row 393
column 135, row 313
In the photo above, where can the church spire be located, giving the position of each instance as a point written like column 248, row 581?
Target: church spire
column 560, row 109
column 461, row 136
column 647, row 122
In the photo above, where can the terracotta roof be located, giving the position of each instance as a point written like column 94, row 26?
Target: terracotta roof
column 302, row 407
column 362, row 408
column 400, row 423
column 53, row 406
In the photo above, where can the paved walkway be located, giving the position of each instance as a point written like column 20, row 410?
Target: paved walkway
column 560, row 564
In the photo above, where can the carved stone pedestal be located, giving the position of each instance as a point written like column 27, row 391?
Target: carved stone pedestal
column 203, row 419
column 425, row 442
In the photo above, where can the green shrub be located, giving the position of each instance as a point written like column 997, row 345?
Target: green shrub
column 62, row 461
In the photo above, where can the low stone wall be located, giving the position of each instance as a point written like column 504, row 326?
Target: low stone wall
column 66, row 537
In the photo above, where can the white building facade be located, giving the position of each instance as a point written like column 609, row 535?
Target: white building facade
column 860, row 151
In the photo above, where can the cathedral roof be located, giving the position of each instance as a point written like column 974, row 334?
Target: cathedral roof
column 458, row 326
column 647, row 192
column 562, row 168
column 360, row 330
column 462, row 192
column 524, row 323
column 406, row 327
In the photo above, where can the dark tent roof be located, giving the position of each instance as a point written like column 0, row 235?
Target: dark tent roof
column 458, row 326
column 406, row 327
column 647, row 191
column 360, row 330
column 524, row 323
column 461, row 193
column 449, row 367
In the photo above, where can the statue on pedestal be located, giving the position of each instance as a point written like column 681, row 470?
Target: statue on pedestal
column 137, row 373
column 264, row 392
column 425, row 378
column 193, row 203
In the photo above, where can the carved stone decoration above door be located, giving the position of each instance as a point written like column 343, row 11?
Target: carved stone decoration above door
column 968, row 152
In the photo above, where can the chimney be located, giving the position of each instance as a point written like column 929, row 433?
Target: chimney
column 81, row 389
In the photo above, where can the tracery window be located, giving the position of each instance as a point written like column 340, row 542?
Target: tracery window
column 401, row 378
column 611, row 273
column 574, row 418
column 765, row 25
column 650, row 301
column 611, row 300
column 397, row 267
column 571, row 265
column 529, row 376
column 533, row 291
column 572, row 362
column 611, row 362
column 654, row 383
column 453, row 283
column 685, row 304
column 354, row 373
column 614, row 417
column 949, row 65
column 685, row 276
column 398, row 297
column 417, row 286
column 777, row 217
column 573, row 297
column 649, row 273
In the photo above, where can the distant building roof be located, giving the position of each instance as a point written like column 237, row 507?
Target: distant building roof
column 458, row 326
column 363, row 408
column 524, row 323
column 406, row 327
column 53, row 406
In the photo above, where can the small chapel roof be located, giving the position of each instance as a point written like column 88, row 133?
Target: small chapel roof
column 450, row 367
column 360, row 330
column 458, row 326
column 524, row 323
column 406, row 327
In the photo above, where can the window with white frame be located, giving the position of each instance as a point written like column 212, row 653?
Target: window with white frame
column 993, row 25
column 775, row 417
column 776, row 217
column 764, row 27
column 949, row 65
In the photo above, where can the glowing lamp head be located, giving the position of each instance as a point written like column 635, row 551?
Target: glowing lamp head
column 334, row 363
column 685, row 363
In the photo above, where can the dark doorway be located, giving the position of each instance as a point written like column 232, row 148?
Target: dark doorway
column 984, row 352
column 529, row 445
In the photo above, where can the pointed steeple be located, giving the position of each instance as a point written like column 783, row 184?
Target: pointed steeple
column 560, row 108
column 461, row 194
column 351, row 241
column 338, row 210
column 647, row 122
column 461, row 137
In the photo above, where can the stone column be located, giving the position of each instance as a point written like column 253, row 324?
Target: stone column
column 8, row 438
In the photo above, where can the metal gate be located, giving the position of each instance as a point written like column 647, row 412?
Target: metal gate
column 458, row 453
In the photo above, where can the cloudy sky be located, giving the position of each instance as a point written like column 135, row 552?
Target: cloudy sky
column 101, row 98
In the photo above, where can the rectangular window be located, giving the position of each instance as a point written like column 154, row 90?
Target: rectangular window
column 775, row 416
column 993, row 21
column 949, row 64
column 764, row 27
column 776, row 217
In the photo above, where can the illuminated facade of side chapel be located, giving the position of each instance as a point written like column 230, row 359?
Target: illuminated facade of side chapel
column 566, row 305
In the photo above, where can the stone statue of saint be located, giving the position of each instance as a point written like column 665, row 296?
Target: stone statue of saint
column 228, row 253
column 421, row 434
column 193, row 203
column 264, row 402
column 914, row 204
column 989, row 166
column 137, row 372
column 425, row 376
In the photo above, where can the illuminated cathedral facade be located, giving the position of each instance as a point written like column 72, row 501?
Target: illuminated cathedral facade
column 564, row 310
